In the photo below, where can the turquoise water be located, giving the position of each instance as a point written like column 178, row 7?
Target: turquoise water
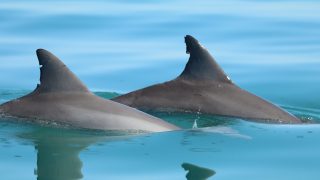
column 270, row 48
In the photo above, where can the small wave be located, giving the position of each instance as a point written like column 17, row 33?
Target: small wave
column 225, row 131
column 307, row 115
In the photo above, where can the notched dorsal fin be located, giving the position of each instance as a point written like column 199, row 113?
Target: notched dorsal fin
column 201, row 65
column 55, row 76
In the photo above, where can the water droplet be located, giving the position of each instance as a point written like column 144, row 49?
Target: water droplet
column 195, row 124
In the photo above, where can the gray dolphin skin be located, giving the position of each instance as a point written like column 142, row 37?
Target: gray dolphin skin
column 204, row 87
column 62, row 97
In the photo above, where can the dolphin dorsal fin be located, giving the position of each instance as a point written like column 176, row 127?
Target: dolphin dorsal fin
column 201, row 65
column 55, row 75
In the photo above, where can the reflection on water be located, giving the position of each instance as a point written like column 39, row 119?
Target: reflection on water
column 58, row 150
column 58, row 153
column 196, row 172
column 58, row 157
column 288, row 151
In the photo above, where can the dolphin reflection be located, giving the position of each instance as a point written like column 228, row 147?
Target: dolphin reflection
column 58, row 150
column 197, row 172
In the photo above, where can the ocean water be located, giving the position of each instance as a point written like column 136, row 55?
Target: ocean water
column 270, row 48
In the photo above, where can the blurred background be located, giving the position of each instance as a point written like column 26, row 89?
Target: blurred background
column 271, row 48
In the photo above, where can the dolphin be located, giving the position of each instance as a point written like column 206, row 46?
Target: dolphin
column 61, row 97
column 204, row 87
